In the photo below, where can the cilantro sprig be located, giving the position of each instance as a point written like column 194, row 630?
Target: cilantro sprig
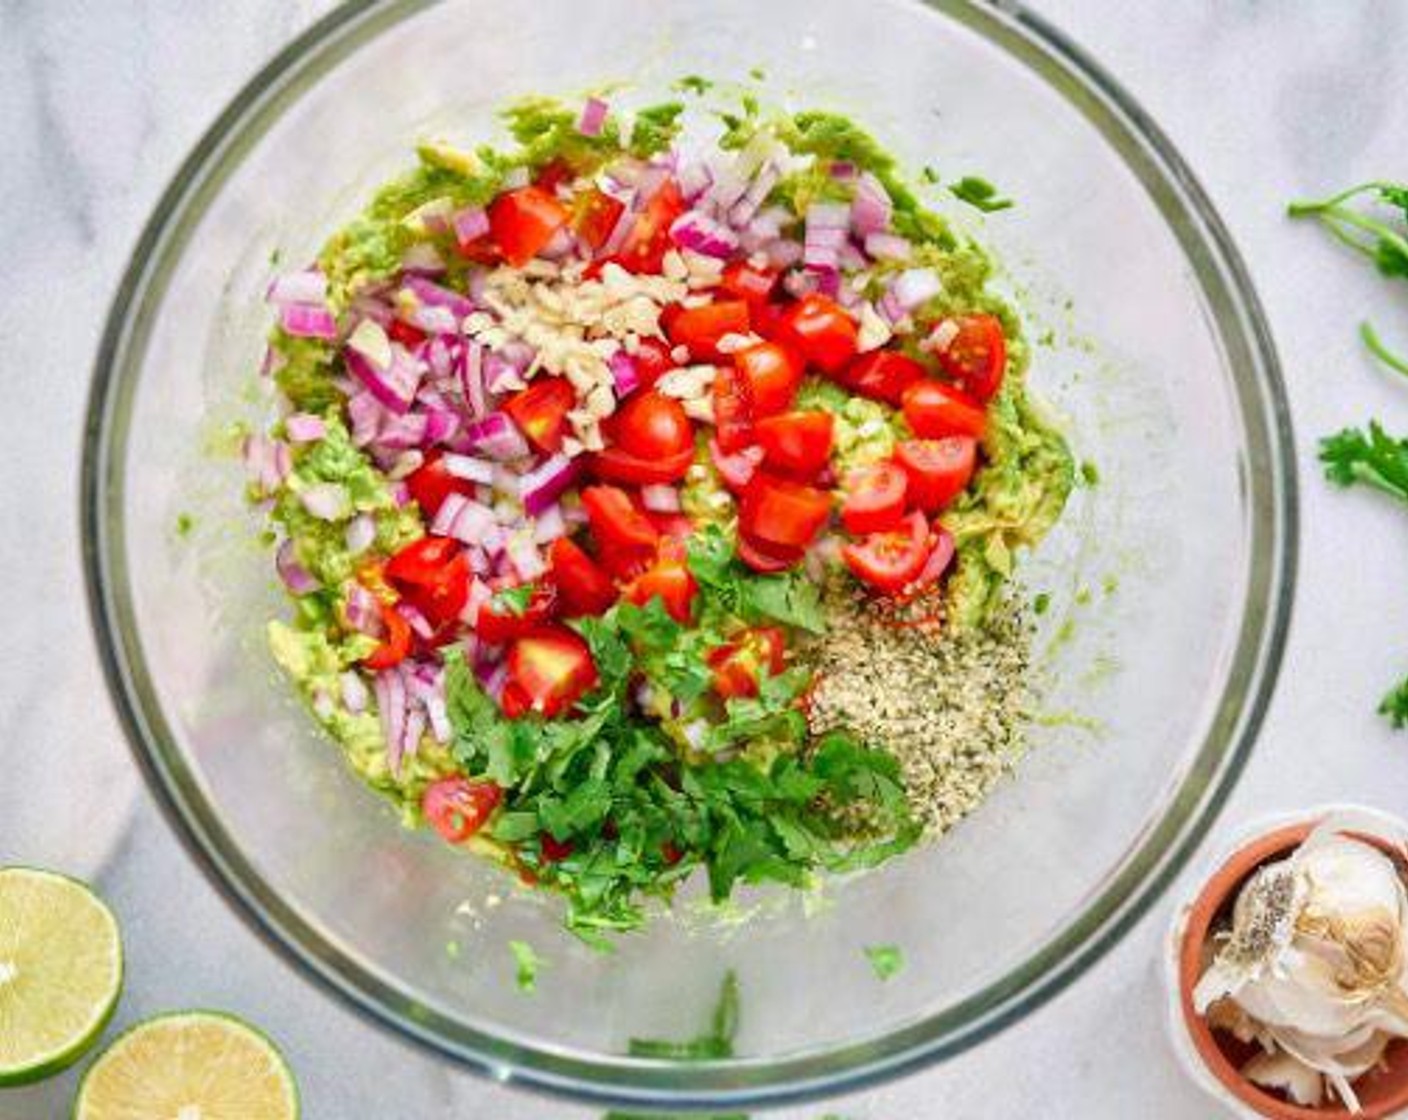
column 1371, row 235
column 1376, row 459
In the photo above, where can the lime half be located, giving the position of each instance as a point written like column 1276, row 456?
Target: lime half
column 60, row 972
column 194, row 1065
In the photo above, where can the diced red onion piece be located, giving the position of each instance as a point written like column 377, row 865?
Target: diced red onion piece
column 415, row 728
column 492, row 680
column 469, row 224
column 506, row 481
column 498, row 437
column 469, row 468
column 361, row 532
column 390, row 692
column 440, row 425
column 303, row 427
column 444, row 519
column 698, row 232
column 871, row 208
column 416, row 620
column 798, row 284
column 783, row 253
column 473, row 523
column 888, row 247
column 623, row 226
column 326, row 501
column 307, row 286
column 939, row 558
column 524, row 556
column 743, row 211
column 362, row 610
column 472, row 379
column 915, row 286
column 625, row 374
column 295, row 576
column 436, row 295
column 660, row 498
column 549, row 525
column 366, row 414
column 739, row 466
column 890, row 308
column 401, row 433
column 306, row 321
column 401, row 494
column 693, row 179
column 593, row 117
column 546, row 482
column 500, row 374
column 388, row 371
column 354, row 692
column 479, row 594
column 827, row 215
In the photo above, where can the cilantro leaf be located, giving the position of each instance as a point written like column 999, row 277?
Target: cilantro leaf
column 979, row 193
column 514, row 600
column 1375, row 459
column 1395, row 705
column 885, row 960
column 788, row 597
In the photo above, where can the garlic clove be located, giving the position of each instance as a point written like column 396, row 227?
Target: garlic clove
column 1300, row 1083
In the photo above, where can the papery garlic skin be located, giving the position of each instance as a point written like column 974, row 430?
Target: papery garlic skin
column 1315, row 967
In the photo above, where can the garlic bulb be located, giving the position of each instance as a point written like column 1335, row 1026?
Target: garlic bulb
column 1315, row 966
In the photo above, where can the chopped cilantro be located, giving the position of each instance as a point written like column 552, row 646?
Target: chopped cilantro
column 788, row 597
column 1042, row 603
column 885, row 960
column 514, row 600
column 693, row 83
column 758, row 74
column 1089, row 473
column 184, row 524
column 980, row 193
column 655, row 129
column 930, row 174
column 527, row 964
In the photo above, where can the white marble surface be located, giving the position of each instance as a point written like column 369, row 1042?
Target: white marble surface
column 99, row 100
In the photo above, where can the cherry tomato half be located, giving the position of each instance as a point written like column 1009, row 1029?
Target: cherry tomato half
column 671, row 580
column 821, row 330
column 767, row 558
column 653, row 360
column 700, row 328
column 594, row 216
column 754, row 286
column 733, row 410
column 524, row 220
column 888, row 561
column 552, row 669
column 651, row 426
column 583, row 587
column 935, row 410
column 938, row 469
column 739, row 665
column 433, row 574
column 457, row 808
column 773, row 372
column 541, row 411
column 973, row 351
column 796, row 443
column 498, row 622
column 645, row 246
column 776, row 511
column 875, row 498
column 394, row 646
column 431, row 483
column 882, row 375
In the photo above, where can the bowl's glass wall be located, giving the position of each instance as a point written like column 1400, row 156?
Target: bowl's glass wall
column 1163, row 545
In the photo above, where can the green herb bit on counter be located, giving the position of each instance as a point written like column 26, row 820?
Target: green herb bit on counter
column 527, row 963
column 979, row 193
column 1371, row 235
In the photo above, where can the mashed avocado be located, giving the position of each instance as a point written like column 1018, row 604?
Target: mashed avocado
column 865, row 431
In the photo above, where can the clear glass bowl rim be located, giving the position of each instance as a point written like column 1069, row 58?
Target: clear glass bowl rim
column 1158, row 855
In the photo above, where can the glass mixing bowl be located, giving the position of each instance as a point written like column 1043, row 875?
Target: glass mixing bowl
column 1170, row 579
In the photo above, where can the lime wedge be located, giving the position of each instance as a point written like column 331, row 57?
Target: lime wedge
column 195, row 1065
column 60, row 972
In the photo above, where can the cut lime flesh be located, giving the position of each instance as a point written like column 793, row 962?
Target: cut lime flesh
column 60, row 972
column 195, row 1065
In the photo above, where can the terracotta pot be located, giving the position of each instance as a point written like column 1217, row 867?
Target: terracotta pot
column 1382, row 1092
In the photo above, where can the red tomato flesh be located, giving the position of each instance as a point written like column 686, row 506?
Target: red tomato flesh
column 733, row 410
column 882, row 375
column 552, row 668
column 433, row 574
column 523, row 221
column 773, row 372
column 935, row 410
column 797, row 443
column 974, row 354
column 776, row 511
column 821, row 330
column 700, row 328
column 583, row 587
column 457, row 808
column 875, row 498
column 888, row 561
column 497, row 624
column 938, row 469
column 541, row 411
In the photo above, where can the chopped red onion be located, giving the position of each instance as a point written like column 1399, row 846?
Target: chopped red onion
column 700, row 233
column 274, row 361
column 939, row 558
column 400, row 494
column 798, row 284
column 739, row 466
column 625, row 374
column 267, row 462
column 415, row 728
column 354, row 692
column 887, row 247
column 842, row 170
column 303, row 427
column 561, row 244
column 871, row 208
column 524, row 556
column 890, row 308
column 624, row 225
column 593, row 117
column 693, row 179
column 469, row 468
column 546, row 482
column 479, row 594
column 492, row 680
column 401, row 433
column 440, row 425
column 498, row 437
column 436, row 295
column 472, row 379
column 416, row 620
column 469, row 224
column 367, row 306
column 405, row 464
column 295, row 576
column 391, row 707
column 360, row 533
column 366, row 414
column 308, row 286
column 304, row 321
column 326, row 501
column 828, row 282
column 743, row 211
column 362, row 610
column 384, row 367
column 827, row 215
column 660, row 498
column 500, row 374
column 473, row 523
column 450, row 508
column 549, row 525
column 507, row 481
column 915, row 286
column 783, row 253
